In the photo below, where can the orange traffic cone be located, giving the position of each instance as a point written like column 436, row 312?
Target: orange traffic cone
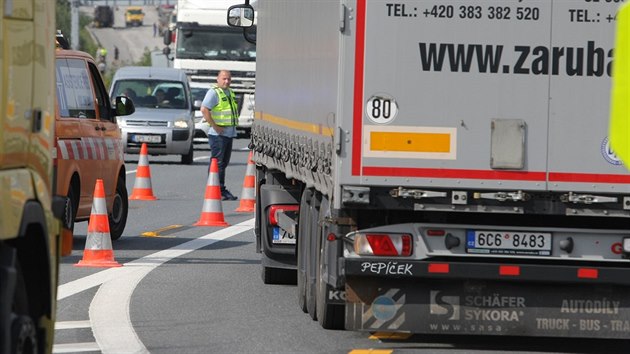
column 66, row 241
column 142, row 189
column 98, row 245
column 249, row 188
column 212, row 212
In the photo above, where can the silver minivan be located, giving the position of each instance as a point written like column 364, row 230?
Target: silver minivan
column 164, row 111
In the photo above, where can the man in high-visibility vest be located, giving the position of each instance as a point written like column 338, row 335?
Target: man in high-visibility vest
column 220, row 110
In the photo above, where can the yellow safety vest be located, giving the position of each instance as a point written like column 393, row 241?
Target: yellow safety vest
column 225, row 113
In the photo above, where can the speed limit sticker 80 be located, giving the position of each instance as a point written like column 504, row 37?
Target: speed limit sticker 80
column 381, row 109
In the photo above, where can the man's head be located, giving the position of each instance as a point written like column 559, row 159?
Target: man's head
column 159, row 94
column 224, row 79
column 129, row 93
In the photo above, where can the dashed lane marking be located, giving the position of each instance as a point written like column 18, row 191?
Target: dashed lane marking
column 164, row 231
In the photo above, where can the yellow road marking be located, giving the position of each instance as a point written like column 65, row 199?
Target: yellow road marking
column 371, row 351
column 158, row 232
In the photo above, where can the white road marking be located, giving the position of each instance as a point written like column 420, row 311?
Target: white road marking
column 72, row 324
column 109, row 310
column 76, row 348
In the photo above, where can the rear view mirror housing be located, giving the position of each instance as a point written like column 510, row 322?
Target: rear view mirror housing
column 240, row 16
column 124, row 106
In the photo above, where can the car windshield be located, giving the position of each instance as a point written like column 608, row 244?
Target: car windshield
column 214, row 43
column 152, row 93
column 198, row 93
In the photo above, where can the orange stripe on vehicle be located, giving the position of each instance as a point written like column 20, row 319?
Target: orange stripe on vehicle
column 90, row 149
column 293, row 124
column 410, row 142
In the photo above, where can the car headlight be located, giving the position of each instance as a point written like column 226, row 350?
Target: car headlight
column 121, row 121
column 181, row 124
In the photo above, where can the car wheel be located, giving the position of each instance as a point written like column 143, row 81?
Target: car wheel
column 120, row 208
column 187, row 159
column 72, row 204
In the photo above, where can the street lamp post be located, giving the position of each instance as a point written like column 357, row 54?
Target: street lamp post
column 74, row 24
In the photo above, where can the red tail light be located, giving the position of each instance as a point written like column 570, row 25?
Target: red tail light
column 394, row 245
column 588, row 273
column 382, row 245
column 273, row 219
column 436, row 232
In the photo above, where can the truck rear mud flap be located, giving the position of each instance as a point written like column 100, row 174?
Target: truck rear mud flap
column 487, row 308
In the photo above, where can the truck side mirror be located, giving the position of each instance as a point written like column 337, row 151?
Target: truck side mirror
column 167, row 37
column 240, row 16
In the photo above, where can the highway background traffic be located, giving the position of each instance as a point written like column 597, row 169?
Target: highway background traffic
column 188, row 289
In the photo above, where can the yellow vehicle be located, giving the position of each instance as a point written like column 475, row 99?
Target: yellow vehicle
column 29, row 213
column 134, row 16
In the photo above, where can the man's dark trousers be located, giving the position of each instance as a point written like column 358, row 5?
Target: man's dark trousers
column 221, row 148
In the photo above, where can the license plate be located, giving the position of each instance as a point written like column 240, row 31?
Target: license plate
column 282, row 237
column 147, row 139
column 508, row 242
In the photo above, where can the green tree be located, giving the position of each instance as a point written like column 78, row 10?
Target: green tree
column 62, row 15
column 63, row 18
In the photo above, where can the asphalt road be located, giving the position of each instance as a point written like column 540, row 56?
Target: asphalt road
column 132, row 42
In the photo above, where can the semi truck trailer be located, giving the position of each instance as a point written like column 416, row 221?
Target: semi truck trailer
column 442, row 167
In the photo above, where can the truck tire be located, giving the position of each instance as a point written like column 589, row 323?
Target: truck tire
column 312, row 256
column 23, row 335
column 303, row 226
column 271, row 275
column 329, row 316
column 120, row 209
column 23, row 330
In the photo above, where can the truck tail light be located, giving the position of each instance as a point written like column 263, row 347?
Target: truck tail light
column 274, row 209
column 395, row 245
column 433, row 232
